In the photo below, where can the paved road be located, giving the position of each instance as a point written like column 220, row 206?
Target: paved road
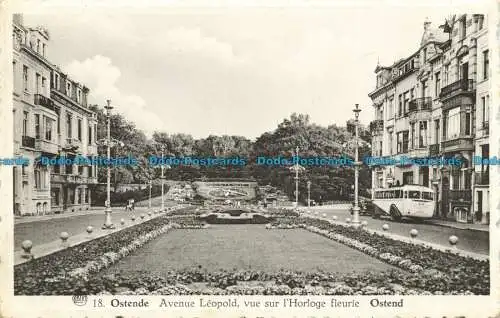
column 469, row 240
column 48, row 230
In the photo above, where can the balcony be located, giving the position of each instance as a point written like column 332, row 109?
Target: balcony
column 45, row 102
column 377, row 126
column 482, row 178
column 28, row 142
column 46, row 146
column 460, row 195
column 66, row 178
column 418, row 152
column 420, row 104
column 462, row 86
column 434, row 150
column 458, row 144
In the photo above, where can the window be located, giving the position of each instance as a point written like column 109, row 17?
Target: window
column 436, row 131
column 481, row 22
column 25, row 78
column 424, row 54
column 79, row 129
column 37, row 83
column 43, row 50
column 25, row 123
column 44, row 85
column 90, row 135
column 422, row 138
column 37, row 126
column 486, row 64
column 48, row 128
column 446, row 74
column 407, row 179
column 414, row 194
column 95, row 133
column 390, row 110
column 399, row 137
column 468, row 123
column 38, row 46
column 38, row 179
column 438, row 83
column 68, row 89
column 425, row 87
column 79, row 96
column 453, row 123
column 14, row 73
column 463, row 28
column 429, row 196
column 380, row 149
column 412, row 94
column 405, row 141
column 413, row 135
column 68, row 126
column 400, row 107
column 405, row 103
column 390, row 142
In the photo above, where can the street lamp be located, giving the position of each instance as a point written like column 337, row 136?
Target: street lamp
column 308, row 193
column 355, row 218
column 108, row 225
column 150, row 186
column 162, row 183
column 297, row 168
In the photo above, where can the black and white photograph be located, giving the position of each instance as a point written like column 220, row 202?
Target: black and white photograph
column 269, row 151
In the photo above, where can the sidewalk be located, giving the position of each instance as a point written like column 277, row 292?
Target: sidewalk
column 94, row 210
column 461, row 226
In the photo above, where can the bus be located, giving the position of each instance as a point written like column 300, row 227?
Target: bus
column 408, row 201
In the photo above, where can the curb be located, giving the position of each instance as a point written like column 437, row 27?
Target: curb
column 487, row 230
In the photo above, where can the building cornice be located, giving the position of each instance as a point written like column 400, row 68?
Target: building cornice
column 68, row 102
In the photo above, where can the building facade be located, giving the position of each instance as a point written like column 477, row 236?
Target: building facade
column 435, row 103
column 51, row 119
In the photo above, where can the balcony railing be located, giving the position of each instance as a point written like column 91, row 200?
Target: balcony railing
column 434, row 150
column 420, row 104
column 482, row 178
column 377, row 125
column 460, row 86
column 460, row 195
column 28, row 141
column 44, row 101
column 47, row 146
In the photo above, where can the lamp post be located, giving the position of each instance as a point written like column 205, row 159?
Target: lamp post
column 108, row 224
column 297, row 177
column 150, row 186
column 355, row 217
column 308, row 193
column 162, row 183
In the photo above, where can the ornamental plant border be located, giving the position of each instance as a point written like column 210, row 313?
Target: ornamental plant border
column 81, row 279
column 416, row 258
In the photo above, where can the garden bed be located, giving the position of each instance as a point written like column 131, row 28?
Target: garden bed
column 79, row 269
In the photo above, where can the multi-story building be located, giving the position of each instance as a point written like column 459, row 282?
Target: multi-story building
column 435, row 103
column 51, row 119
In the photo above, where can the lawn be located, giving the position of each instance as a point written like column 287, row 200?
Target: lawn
column 247, row 247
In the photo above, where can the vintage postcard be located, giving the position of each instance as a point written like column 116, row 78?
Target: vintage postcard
column 249, row 159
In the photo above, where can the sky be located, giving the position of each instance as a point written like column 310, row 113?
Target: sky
column 237, row 71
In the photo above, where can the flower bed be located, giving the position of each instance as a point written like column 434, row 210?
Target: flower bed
column 54, row 273
column 437, row 270
column 76, row 270
column 198, row 281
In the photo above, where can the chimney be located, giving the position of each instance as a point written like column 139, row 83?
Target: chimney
column 427, row 23
column 18, row 18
